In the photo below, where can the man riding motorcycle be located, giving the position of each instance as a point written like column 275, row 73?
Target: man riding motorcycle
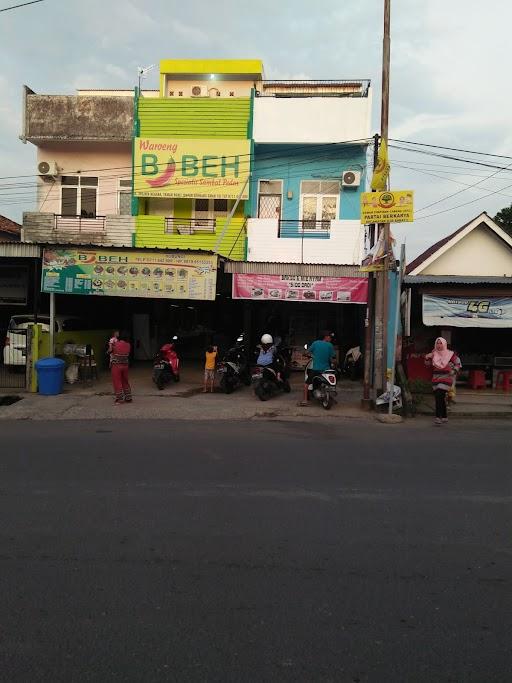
column 324, row 356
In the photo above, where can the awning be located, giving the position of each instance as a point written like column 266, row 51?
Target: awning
column 19, row 250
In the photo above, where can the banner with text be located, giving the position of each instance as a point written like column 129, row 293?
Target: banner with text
column 335, row 290
column 129, row 273
column 167, row 167
column 387, row 207
column 462, row 311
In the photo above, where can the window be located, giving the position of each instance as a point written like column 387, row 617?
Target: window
column 319, row 203
column 78, row 196
column 207, row 209
column 124, row 197
column 270, row 198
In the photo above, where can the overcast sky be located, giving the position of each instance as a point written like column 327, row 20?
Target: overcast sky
column 450, row 79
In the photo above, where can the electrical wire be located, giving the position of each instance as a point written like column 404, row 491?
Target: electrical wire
column 24, row 4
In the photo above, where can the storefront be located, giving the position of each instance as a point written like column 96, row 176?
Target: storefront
column 297, row 301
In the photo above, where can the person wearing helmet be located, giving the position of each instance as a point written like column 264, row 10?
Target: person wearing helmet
column 267, row 351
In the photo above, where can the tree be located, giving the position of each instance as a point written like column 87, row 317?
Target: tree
column 504, row 219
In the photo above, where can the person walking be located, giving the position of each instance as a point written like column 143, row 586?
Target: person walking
column 446, row 366
column 119, row 369
column 209, row 368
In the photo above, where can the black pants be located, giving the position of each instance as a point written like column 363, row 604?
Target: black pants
column 440, row 395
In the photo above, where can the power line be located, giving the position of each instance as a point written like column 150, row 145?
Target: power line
column 452, row 149
column 24, row 4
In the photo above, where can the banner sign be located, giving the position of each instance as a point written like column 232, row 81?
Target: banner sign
column 462, row 311
column 129, row 273
column 334, row 290
column 170, row 167
column 387, row 207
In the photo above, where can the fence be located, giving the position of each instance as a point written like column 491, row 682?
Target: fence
column 15, row 371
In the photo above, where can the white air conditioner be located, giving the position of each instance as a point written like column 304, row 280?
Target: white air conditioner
column 351, row 179
column 47, row 169
column 199, row 91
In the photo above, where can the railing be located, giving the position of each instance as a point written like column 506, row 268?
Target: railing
column 79, row 224
column 358, row 87
column 189, row 226
column 297, row 228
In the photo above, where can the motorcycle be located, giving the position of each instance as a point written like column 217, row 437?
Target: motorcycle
column 323, row 385
column 353, row 363
column 234, row 369
column 166, row 365
column 266, row 381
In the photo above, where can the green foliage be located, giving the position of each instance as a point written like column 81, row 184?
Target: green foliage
column 504, row 219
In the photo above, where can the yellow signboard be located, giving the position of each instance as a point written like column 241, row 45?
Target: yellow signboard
column 387, row 207
column 131, row 273
column 167, row 167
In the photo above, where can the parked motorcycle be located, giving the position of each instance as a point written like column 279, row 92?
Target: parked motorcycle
column 234, row 368
column 166, row 365
column 322, row 386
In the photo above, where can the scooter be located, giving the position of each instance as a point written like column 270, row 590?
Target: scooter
column 323, row 386
column 265, row 379
column 234, row 369
column 166, row 366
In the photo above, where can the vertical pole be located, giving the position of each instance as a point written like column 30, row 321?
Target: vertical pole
column 370, row 309
column 52, row 324
column 395, row 326
column 381, row 374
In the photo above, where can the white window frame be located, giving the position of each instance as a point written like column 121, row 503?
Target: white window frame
column 317, row 196
column 266, row 194
column 78, row 187
column 123, row 189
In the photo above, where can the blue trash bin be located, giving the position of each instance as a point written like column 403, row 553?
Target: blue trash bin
column 50, row 375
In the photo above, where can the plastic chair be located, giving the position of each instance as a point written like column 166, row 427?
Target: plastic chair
column 477, row 379
column 504, row 380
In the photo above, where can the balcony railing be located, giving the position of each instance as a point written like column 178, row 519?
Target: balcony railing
column 299, row 228
column 79, row 224
column 189, row 226
column 323, row 88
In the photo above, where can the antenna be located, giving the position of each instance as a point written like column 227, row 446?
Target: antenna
column 143, row 72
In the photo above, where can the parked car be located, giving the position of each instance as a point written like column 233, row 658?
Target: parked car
column 68, row 329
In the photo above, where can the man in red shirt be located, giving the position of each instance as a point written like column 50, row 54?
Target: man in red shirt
column 119, row 368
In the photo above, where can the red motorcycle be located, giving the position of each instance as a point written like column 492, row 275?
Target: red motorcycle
column 166, row 366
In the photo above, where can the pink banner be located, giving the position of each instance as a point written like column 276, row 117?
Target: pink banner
column 334, row 290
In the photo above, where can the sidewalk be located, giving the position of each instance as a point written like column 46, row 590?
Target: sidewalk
column 182, row 401
column 482, row 403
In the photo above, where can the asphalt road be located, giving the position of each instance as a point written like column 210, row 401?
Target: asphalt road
column 160, row 551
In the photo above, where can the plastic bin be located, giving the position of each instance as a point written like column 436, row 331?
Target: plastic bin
column 50, row 375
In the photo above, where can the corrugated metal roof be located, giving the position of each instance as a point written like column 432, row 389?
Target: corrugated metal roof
column 19, row 250
column 306, row 269
column 456, row 280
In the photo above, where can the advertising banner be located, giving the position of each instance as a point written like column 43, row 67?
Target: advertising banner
column 167, row 167
column 129, row 273
column 461, row 311
column 334, row 290
column 396, row 206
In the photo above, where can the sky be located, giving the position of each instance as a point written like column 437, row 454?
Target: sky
column 449, row 77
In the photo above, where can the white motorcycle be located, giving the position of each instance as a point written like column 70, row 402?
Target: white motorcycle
column 323, row 386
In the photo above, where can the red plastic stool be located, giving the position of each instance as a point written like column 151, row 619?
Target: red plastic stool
column 477, row 379
column 504, row 380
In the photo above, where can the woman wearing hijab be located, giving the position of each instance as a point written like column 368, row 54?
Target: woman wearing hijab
column 445, row 367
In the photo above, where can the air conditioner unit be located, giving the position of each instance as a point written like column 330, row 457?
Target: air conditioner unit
column 47, row 169
column 199, row 91
column 351, row 179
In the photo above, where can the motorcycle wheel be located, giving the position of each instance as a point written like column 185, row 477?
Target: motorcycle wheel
column 160, row 385
column 176, row 378
column 327, row 403
column 261, row 393
column 226, row 387
column 286, row 386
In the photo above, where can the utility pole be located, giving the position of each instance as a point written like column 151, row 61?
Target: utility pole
column 381, row 308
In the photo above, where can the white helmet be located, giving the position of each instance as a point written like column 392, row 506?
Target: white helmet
column 267, row 339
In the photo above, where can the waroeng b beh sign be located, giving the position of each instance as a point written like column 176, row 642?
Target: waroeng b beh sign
column 132, row 273
column 166, row 167
column 391, row 206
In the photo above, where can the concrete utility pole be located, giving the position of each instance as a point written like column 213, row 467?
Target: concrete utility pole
column 381, row 308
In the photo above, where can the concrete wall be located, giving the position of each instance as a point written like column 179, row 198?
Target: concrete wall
column 344, row 245
column 292, row 164
column 481, row 252
column 311, row 119
column 108, row 161
column 65, row 117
